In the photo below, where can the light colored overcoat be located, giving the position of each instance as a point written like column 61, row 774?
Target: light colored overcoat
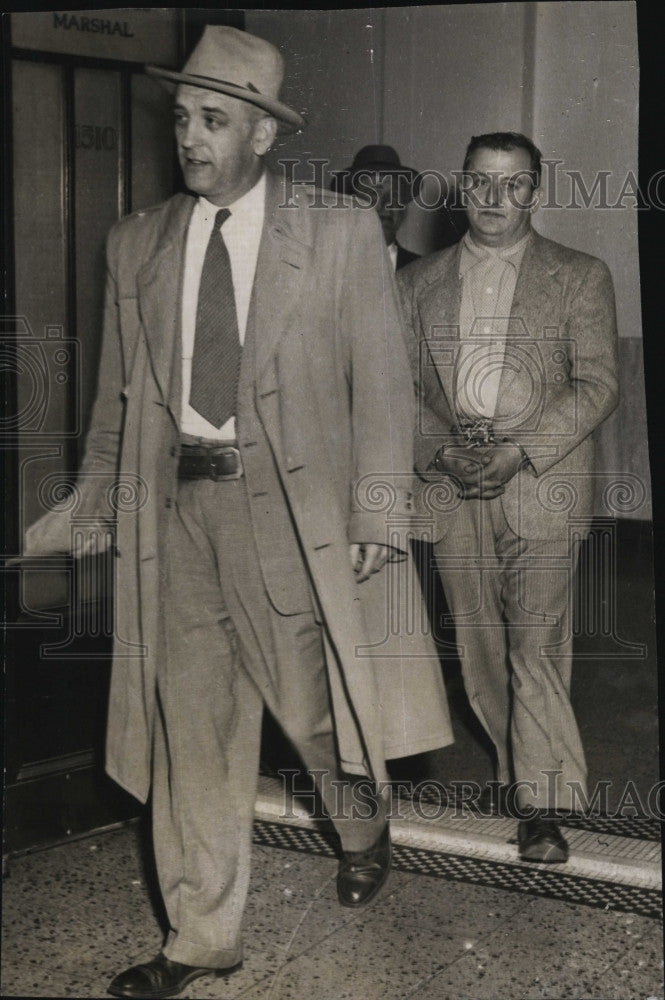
column 333, row 392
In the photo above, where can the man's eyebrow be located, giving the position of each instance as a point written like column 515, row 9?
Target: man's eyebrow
column 527, row 171
column 205, row 110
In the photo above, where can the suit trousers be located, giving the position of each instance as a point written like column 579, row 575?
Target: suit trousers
column 228, row 652
column 511, row 600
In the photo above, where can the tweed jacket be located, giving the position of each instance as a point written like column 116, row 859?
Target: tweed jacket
column 559, row 380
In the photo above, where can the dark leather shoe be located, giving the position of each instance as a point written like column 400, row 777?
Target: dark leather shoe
column 160, row 978
column 539, row 839
column 362, row 873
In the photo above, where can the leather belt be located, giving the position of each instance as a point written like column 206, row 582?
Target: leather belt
column 218, row 462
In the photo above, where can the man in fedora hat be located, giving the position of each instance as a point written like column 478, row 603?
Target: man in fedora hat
column 378, row 177
column 255, row 381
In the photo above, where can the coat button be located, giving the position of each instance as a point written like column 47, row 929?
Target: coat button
column 174, row 451
column 167, row 503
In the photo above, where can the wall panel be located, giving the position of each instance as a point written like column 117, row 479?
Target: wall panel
column 587, row 117
column 586, row 114
column 334, row 76
column 451, row 71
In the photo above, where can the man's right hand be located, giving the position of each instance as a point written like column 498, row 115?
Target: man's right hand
column 52, row 534
column 466, row 465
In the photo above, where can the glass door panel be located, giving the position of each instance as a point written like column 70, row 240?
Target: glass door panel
column 98, row 199
column 153, row 147
column 45, row 357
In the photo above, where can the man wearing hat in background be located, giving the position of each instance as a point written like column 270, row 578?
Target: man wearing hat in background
column 254, row 376
column 376, row 175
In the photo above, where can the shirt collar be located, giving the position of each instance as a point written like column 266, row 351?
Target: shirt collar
column 473, row 253
column 250, row 203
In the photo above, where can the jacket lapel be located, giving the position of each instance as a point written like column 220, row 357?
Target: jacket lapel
column 534, row 306
column 535, row 290
column 160, row 292
column 284, row 253
column 439, row 307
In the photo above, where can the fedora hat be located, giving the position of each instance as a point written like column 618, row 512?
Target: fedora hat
column 377, row 160
column 239, row 64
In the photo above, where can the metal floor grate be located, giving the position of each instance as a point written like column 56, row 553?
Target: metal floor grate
column 639, row 827
column 535, row 880
column 609, row 870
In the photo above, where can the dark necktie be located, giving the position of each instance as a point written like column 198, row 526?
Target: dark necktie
column 217, row 351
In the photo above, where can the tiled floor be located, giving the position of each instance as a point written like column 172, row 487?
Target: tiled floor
column 75, row 915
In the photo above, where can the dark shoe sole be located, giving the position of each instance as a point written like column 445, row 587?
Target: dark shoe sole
column 555, row 857
column 543, row 861
column 175, row 991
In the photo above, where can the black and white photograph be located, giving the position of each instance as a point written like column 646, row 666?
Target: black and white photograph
column 329, row 382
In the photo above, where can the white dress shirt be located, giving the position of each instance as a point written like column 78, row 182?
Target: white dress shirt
column 242, row 235
column 488, row 284
column 392, row 251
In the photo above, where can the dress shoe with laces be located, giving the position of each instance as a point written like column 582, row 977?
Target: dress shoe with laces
column 160, row 978
column 539, row 839
column 362, row 873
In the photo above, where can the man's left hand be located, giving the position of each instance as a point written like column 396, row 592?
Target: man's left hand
column 497, row 467
column 368, row 559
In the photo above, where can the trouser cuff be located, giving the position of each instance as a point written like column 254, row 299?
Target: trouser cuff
column 179, row 949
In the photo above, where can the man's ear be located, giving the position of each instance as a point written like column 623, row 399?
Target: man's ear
column 536, row 198
column 265, row 130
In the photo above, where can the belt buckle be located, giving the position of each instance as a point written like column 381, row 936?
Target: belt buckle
column 220, row 477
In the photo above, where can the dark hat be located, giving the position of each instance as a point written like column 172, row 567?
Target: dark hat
column 236, row 63
column 377, row 160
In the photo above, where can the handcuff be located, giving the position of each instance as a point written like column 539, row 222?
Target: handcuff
column 478, row 434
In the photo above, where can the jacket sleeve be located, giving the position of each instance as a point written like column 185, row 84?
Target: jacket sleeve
column 575, row 407
column 381, row 389
column 99, row 467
